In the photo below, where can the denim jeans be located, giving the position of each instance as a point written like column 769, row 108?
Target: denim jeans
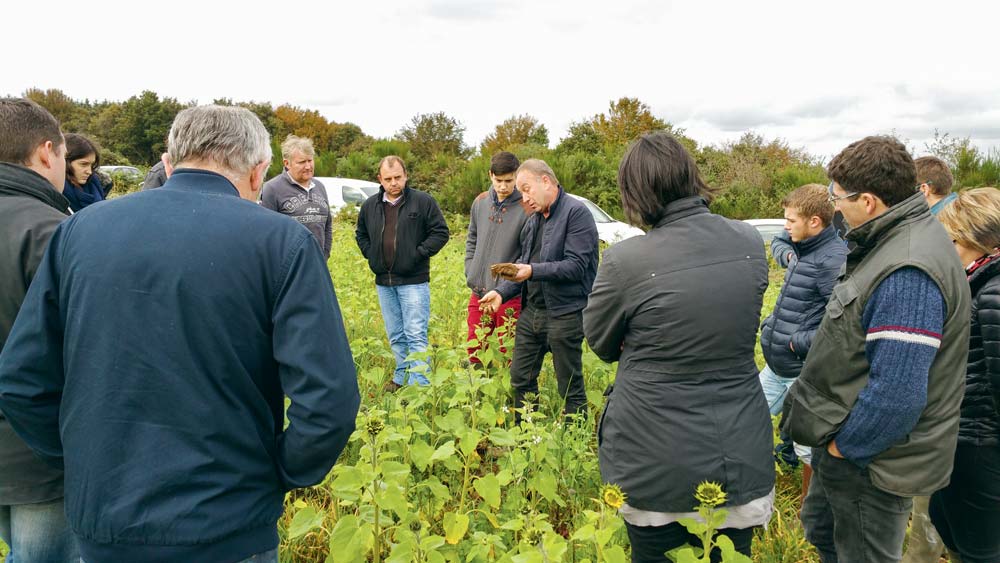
column 263, row 557
column 775, row 389
column 538, row 333
column 37, row 533
column 406, row 310
column 850, row 520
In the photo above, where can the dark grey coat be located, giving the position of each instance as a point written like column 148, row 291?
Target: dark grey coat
column 30, row 211
column 678, row 309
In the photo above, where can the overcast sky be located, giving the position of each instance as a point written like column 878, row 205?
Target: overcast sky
column 818, row 75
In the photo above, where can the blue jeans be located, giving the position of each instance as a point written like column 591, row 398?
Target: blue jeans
column 406, row 310
column 848, row 518
column 263, row 557
column 775, row 389
column 37, row 533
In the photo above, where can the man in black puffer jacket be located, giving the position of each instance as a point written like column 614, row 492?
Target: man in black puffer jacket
column 813, row 253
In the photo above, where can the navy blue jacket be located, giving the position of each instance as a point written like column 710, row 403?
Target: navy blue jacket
column 809, row 281
column 151, row 359
column 568, row 258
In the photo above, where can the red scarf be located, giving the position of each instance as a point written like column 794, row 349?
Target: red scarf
column 982, row 262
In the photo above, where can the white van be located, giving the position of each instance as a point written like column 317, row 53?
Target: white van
column 347, row 191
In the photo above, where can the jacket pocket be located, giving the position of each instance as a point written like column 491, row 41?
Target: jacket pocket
column 813, row 418
column 843, row 295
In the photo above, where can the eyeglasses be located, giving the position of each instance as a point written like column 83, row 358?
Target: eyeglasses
column 833, row 199
column 922, row 184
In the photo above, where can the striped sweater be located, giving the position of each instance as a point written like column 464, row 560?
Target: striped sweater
column 903, row 320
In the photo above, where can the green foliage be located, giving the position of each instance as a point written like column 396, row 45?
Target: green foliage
column 441, row 473
column 137, row 128
column 432, row 134
column 514, row 132
column 974, row 169
column 753, row 175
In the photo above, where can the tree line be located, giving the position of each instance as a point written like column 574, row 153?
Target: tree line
column 752, row 174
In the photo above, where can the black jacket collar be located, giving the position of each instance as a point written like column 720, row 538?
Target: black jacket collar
column 19, row 180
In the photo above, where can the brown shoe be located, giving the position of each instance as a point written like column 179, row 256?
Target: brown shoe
column 392, row 386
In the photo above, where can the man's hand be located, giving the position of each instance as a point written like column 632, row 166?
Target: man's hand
column 490, row 302
column 831, row 449
column 523, row 272
column 791, row 346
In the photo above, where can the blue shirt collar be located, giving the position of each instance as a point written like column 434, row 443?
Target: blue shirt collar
column 198, row 180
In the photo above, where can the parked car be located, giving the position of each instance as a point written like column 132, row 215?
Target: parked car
column 609, row 230
column 130, row 172
column 768, row 228
column 347, row 191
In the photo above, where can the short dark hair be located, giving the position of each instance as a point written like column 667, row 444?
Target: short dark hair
column 655, row 171
column 24, row 125
column 934, row 172
column 504, row 162
column 879, row 165
column 810, row 201
column 77, row 147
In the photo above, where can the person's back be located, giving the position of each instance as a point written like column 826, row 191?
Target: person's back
column 707, row 274
column 172, row 323
column 164, row 341
column 678, row 310
column 691, row 290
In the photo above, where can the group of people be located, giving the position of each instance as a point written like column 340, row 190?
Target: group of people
column 143, row 384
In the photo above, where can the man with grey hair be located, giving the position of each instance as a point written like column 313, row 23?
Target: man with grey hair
column 156, row 345
column 554, row 276
column 32, row 175
column 296, row 193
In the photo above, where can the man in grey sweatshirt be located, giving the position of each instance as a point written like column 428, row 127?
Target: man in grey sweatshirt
column 495, row 224
column 297, row 194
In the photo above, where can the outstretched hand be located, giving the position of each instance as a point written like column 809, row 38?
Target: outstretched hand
column 490, row 303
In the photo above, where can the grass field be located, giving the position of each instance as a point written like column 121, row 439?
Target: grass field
column 441, row 474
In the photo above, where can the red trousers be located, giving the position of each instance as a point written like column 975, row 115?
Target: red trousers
column 496, row 319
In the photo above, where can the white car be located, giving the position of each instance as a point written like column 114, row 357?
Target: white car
column 347, row 191
column 609, row 230
column 768, row 228
column 130, row 171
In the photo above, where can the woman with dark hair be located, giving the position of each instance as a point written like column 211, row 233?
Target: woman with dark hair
column 967, row 512
column 678, row 310
column 83, row 186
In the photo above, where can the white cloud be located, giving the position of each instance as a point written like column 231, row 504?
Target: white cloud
column 817, row 75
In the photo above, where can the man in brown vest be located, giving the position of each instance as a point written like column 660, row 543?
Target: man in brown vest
column 878, row 397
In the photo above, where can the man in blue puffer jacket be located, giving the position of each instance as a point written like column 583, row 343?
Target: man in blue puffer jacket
column 813, row 253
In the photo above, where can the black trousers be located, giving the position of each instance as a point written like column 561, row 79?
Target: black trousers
column 967, row 512
column 650, row 543
column 538, row 333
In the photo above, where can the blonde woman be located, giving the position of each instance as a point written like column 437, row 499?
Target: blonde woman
column 967, row 511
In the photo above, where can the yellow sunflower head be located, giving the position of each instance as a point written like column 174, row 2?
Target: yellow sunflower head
column 710, row 493
column 612, row 496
